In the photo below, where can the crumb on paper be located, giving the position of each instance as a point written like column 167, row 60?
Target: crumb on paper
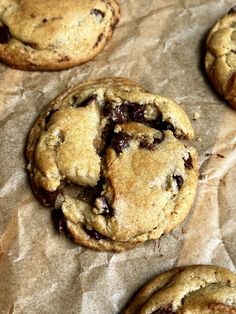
column 222, row 182
column 217, row 155
column 202, row 177
column 196, row 116
column 198, row 139
column 220, row 155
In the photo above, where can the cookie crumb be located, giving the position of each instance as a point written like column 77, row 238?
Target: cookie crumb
column 220, row 155
column 196, row 116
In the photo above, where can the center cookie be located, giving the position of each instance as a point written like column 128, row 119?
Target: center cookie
column 108, row 155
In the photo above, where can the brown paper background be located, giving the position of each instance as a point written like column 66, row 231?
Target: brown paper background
column 159, row 44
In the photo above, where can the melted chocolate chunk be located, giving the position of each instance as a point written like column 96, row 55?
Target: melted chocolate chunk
column 232, row 10
column 166, row 309
column 89, row 194
column 88, row 100
column 48, row 198
column 94, row 234
column 98, row 13
column 58, row 220
column 145, row 144
column 117, row 114
column 157, row 140
column 31, row 45
column 189, row 162
column 108, row 211
column 179, row 181
column 98, row 188
column 137, row 112
column 120, row 142
column 107, row 136
column 5, row 35
column 164, row 126
column 49, row 115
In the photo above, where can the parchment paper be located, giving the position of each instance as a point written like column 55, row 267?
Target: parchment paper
column 159, row 44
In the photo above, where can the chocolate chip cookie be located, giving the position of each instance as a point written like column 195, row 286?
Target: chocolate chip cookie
column 108, row 156
column 220, row 60
column 196, row 289
column 54, row 35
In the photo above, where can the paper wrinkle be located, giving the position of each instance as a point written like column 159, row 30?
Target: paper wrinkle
column 159, row 44
column 20, row 305
column 12, row 183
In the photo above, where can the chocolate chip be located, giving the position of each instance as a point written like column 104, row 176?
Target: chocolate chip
column 166, row 309
column 98, row 13
column 58, row 220
column 94, row 234
column 88, row 100
column 232, row 10
column 137, row 112
column 74, row 99
column 108, row 211
column 45, row 20
column 179, row 181
column 60, row 138
column 100, row 37
column 120, row 142
column 64, row 59
column 49, row 115
column 189, row 162
column 117, row 114
column 5, row 35
column 164, row 126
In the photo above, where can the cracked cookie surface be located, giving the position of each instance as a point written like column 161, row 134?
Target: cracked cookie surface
column 109, row 155
column 54, row 35
column 220, row 60
column 196, row 289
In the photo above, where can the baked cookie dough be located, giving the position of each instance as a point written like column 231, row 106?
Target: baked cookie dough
column 196, row 289
column 54, row 35
column 108, row 154
column 220, row 60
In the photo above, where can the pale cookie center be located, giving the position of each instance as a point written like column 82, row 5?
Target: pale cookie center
column 66, row 149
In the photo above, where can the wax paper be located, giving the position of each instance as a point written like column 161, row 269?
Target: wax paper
column 160, row 45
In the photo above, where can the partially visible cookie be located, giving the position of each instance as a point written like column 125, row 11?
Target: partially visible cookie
column 220, row 60
column 109, row 155
column 196, row 289
column 54, row 35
